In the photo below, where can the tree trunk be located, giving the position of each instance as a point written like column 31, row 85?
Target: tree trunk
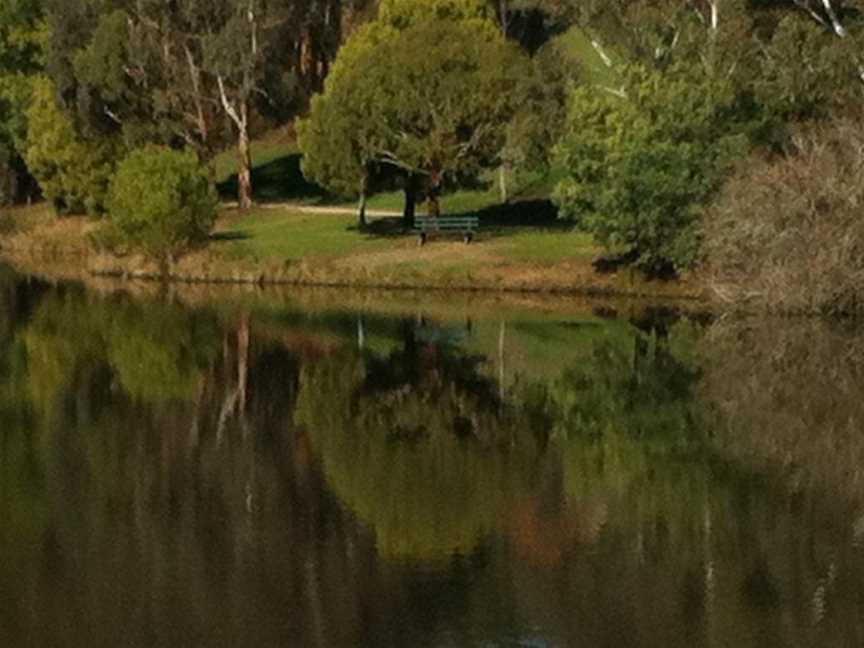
column 502, row 175
column 504, row 13
column 434, row 208
column 200, row 114
column 835, row 21
column 410, row 202
column 362, row 223
column 244, row 171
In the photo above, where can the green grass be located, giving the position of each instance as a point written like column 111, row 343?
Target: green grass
column 547, row 246
column 265, row 150
column 523, row 232
column 267, row 234
column 578, row 45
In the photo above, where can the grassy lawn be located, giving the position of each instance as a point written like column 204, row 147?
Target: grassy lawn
column 578, row 46
column 282, row 235
column 278, row 234
column 546, row 246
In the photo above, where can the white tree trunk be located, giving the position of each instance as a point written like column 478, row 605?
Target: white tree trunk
column 835, row 21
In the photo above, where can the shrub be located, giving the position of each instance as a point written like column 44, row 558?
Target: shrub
column 162, row 202
column 73, row 172
column 640, row 165
column 787, row 234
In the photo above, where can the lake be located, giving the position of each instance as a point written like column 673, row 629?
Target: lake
column 328, row 468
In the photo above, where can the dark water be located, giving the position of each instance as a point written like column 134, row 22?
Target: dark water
column 257, row 471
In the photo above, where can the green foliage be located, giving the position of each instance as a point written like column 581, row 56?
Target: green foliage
column 332, row 141
column 827, row 84
column 402, row 14
column 392, row 103
column 539, row 119
column 23, row 37
column 162, row 201
column 74, row 172
column 640, row 166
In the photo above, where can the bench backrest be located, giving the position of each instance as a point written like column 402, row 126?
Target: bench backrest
column 446, row 222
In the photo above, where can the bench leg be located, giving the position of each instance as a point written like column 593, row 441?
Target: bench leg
column 468, row 238
column 421, row 239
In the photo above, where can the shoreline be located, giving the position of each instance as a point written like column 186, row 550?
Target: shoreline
column 64, row 265
column 60, row 249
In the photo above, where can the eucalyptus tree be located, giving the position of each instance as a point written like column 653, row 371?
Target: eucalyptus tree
column 189, row 72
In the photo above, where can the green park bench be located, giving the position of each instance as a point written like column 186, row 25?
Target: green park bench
column 466, row 226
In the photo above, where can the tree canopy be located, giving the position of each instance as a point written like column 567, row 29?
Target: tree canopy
column 431, row 100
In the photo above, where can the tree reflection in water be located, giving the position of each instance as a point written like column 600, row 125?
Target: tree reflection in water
column 269, row 475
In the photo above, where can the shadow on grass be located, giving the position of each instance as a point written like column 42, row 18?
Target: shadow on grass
column 496, row 221
column 520, row 214
column 279, row 181
column 390, row 227
column 614, row 263
column 229, row 236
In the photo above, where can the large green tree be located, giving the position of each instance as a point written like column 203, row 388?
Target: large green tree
column 397, row 91
column 640, row 165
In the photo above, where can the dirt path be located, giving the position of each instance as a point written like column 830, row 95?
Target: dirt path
column 325, row 211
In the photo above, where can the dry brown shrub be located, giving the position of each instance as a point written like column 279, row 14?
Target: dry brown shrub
column 787, row 234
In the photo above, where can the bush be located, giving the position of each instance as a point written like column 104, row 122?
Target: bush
column 787, row 234
column 641, row 165
column 162, row 202
column 73, row 172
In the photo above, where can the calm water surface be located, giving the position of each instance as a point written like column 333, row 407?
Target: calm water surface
column 274, row 471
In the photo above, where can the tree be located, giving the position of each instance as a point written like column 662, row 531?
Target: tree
column 188, row 72
column 347, row 133
column 640, row 166
column 398, row 93
column 22, row 43
column 74, row 172
column 402, row 14
column 162, row 202
column 338, row 138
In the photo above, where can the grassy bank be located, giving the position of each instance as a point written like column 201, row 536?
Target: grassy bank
column 286, row 245
column 301, row 235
